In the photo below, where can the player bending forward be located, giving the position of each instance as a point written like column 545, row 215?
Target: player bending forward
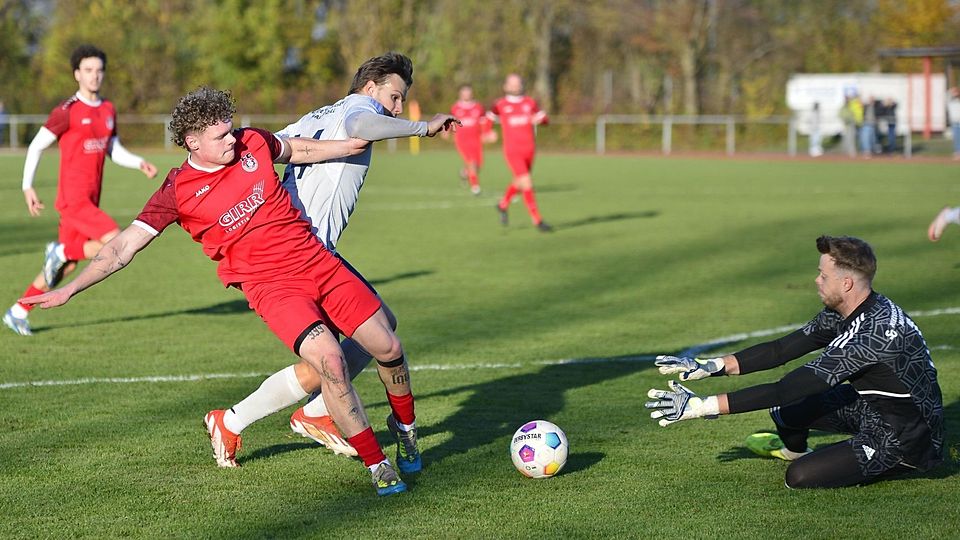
column 326, row 194
column 874, row 380
column 227, row 196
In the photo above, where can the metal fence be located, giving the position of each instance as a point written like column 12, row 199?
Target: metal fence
column 783, row 138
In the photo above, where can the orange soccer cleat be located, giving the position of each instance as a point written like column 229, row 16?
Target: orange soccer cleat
column 323, row 430
column 225, row 443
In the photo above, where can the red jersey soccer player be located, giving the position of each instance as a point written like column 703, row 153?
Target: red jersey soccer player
column 470, row 136
column 518, row 114
column 86, row 127
column 228, row 197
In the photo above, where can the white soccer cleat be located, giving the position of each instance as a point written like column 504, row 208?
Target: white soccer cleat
column 19, row 325
column 323, row 430
column 225, row 443
column 52, row 265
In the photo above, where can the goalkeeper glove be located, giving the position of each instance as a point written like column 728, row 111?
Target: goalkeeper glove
column 679, row 403
column 689, row 369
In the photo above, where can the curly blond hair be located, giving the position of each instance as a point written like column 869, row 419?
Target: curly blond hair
column 199, row 110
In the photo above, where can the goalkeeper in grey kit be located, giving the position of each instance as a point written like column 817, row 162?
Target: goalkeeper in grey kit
column 874, row 379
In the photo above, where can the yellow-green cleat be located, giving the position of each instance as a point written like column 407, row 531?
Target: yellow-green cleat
column 770, row 445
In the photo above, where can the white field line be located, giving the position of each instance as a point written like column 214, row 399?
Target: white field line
column 691, row 351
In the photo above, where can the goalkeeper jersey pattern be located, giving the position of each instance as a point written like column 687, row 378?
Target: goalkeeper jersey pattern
column 326, row 193
column 883, row 355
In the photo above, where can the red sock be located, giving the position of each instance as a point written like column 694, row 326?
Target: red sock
column 367, row 447
column 402, row 407
column 74, row 250
column 31, row 291
column 472, row 178
column 507, row 196
column 531, row 202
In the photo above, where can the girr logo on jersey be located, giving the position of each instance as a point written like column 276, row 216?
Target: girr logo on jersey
column 241, row 212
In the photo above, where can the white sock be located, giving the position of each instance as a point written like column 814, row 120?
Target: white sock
column 316, row 407
column 375, row 465
column 280, row 390
column 407, row 427
column 953, row 215
column 59, row 250
column 17, row 311
column 791, row 455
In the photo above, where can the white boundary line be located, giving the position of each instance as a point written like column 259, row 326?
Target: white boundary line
column 691, row 351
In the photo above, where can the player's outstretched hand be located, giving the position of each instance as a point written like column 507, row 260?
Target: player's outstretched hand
column 34, row 204
column 441, row 122
column 54, row 298
column 148, row 169
column 679, row 403
column 688, row 369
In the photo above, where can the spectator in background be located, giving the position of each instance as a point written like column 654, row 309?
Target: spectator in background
column 816, row 139
column 890, row 118
column 867, row 128
column 848, row 115
column 953, row 112
column 4, row 121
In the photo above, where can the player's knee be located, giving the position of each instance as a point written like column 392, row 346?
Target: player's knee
column 800, row 476
column 392, row 349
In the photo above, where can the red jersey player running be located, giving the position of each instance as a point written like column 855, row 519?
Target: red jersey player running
column 86, row 126
column 228, row 197
column 518, row 114
column 474, row 130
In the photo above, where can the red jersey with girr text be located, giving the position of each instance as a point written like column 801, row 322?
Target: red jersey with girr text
column 238, row 212
column 517, row 116
column 474, row 122
column 83, row 130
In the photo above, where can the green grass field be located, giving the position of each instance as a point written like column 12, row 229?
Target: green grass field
column 650, row 256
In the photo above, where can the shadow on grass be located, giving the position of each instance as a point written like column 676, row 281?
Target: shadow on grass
column 581, row 461
column 230, row 307
column 620, row 216
column 275, row 450
column 493, row 410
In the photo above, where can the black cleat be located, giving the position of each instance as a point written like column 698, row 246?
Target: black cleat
column 544, row 227
column 504, row 220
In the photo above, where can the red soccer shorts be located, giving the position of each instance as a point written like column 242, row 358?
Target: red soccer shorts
column 471, row 153
column 327, row 292
column 84, row 222
column 520, row 162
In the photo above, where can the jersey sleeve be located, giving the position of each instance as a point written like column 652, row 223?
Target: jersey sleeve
column 494, row 113
column 161, row 210
column 59, row 120
column 847, row 355
column 274, row 143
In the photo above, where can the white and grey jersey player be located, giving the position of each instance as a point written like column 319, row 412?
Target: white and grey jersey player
column 326, row 193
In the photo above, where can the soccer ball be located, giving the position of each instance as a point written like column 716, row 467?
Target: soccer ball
column 539, row 449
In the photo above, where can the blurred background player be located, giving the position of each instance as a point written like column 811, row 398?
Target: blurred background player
column 86, row 126
column 874, row 380
column 470, row 136
column 518, row 114
column 326, row 195
column 228, row 197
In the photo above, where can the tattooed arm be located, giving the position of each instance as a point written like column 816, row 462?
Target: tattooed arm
column 113, row 256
